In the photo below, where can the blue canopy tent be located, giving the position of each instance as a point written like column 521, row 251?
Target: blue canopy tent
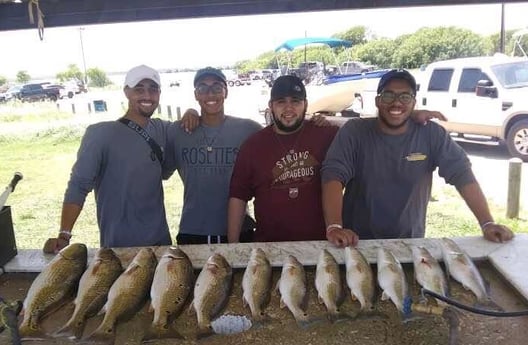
column 297, row 42
column 290, row 45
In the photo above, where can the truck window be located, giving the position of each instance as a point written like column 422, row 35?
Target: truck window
column 440, row 79
column 469, row 79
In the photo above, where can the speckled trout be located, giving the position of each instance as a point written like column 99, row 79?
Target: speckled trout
column 57, row 281
column 328, row 284
column 360, row 279
column 173, row 281
column 256, row 284
column 127, row 294
column 93, row 290
column 462, row 269
column 211, row 290
column 292, row 287
column 428, row 273
column 391, row 279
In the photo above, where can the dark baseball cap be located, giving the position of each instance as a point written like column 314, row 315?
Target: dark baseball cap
column 288, row 86
column 397, row 74
column 209, row 72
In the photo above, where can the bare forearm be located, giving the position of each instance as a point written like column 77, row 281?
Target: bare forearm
column 333, row 202
column 476, row 201
column 69, row 215
column 235, row 217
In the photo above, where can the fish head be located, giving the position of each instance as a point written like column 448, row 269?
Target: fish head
column 145, row 258
column 258, row 256
column 74, row 251
column 291, row 261
column 175, row 253
column 325, row 258
column 105, row 254
column 217, row 264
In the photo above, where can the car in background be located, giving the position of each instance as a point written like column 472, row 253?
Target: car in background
column 39, row 92
column 12, row 93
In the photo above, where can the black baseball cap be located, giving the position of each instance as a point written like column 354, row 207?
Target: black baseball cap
column 287, row 86
column 397, row 74
column 209, row 72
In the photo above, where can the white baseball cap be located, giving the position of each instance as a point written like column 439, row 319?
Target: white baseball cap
column 138, row 73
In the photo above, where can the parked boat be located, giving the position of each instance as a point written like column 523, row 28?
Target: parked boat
column 328, row 93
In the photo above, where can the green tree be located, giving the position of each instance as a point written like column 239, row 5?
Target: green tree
column 433, row 44
column 3, row 80
column 23, row 77
column 356, row 35
column 376, row 52
column 97, row 77
column 73, row 72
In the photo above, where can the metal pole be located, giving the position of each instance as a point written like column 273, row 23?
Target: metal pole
column 82, row 51
column 514, row 188
column 503, row 31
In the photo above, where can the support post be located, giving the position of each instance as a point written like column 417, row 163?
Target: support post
column 73, row 108
column 169, row 112
column 514, row 188
column 178, row 113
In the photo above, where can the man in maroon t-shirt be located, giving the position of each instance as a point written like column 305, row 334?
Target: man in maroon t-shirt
column 279, row 167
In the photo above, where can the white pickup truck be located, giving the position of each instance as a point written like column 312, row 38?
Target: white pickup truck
column 484, row 98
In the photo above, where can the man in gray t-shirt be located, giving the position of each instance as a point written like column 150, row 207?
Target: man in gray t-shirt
column 124, row 170
column 386, row 164
column 204, row 160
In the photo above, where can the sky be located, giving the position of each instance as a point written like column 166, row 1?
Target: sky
column 221, row 41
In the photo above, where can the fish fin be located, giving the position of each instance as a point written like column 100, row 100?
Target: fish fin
column 282, row 305
column 102, row 310
column 161, row 332
column 190, row 310
column 244, row 302
column 384, row 296
column 320, row 299
column 150, row 308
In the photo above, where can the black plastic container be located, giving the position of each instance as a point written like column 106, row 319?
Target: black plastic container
column 8, row 248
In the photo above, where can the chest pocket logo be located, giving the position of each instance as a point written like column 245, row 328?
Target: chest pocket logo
column 416, row 157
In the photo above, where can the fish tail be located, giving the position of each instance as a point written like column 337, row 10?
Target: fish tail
column 488, row 303
column 104, row 334
column 204, row 332
column 161, row 332
column 27, row 331
column 337, row 316
column 74, row 327
column 305, row 322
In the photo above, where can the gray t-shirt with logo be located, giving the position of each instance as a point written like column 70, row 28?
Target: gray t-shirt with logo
column 388, row 178
column 204, row 160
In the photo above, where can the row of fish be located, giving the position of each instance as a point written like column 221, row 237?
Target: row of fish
column 104, row 288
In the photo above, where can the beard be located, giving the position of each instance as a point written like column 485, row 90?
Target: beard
column 288, row 129
column 393, row 126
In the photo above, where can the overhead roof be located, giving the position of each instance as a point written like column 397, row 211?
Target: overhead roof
column 14, row 13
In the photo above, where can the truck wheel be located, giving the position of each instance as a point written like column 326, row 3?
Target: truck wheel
column 517, row 140
column 237, row 83
column 230, row 83
column 70, row 94
column 53, row 98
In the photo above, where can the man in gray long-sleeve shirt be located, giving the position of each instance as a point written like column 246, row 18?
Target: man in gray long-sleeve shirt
column 386, row 164
column 117, row 161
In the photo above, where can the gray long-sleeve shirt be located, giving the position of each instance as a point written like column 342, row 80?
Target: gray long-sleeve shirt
column 388, row 178
column 119, row 165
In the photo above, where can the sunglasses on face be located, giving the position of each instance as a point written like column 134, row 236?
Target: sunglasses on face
column 389, row 97
column 215, row 89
